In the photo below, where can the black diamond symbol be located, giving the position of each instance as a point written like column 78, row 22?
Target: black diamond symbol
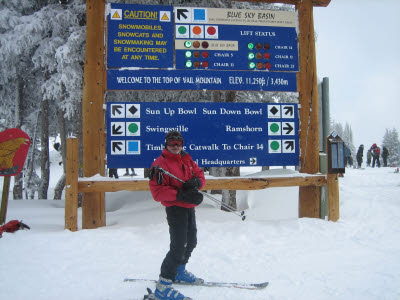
column 133, row 109
column 274, row 110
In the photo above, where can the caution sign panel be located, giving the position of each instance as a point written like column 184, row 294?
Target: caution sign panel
column 140, row 36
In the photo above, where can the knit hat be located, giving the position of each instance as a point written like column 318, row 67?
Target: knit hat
column 173, row 135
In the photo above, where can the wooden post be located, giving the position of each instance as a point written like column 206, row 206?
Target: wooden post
column 308, row 99
column 333, row 197
column 93, row 204
column 4, row 199
column 71, row 185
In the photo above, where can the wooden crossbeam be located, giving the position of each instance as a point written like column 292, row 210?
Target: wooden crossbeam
column 231, row 183
column 321, row 3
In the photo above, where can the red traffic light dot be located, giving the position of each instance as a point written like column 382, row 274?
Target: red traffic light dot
column 267, row 66
column 267, row 55
column 205, row 54
column 205, row 64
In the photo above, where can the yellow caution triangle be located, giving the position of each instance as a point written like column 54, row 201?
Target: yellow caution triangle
column 116, row 15
column 165, row 17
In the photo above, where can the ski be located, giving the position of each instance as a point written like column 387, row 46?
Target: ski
column 246, row 286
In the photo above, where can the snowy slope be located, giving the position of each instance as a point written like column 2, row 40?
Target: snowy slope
column 355, row 258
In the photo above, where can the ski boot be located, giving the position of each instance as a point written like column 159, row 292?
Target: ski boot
column 185, row 277
column 165, row 291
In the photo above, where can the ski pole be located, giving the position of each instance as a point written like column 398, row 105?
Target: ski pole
column 231, row 209
column 226, row 206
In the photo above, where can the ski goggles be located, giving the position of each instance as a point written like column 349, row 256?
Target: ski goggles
column 175, row 141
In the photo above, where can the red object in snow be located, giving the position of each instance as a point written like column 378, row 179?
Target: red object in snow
column 13, row 226
column 14, row 146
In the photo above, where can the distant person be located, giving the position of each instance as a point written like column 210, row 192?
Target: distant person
column 359, row 156
column 369, row 158
column 113, row 172
column 385, row 154
column 376, row 153
column 348, row 160
column 127, row 172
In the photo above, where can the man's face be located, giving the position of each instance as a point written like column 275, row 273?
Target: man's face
column 175, row 145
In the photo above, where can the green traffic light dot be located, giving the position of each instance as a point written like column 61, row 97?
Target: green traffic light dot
column 250, row 46
column 252, row 65
column 250, row 55
column 188, row 64
column 188, row 54
column 188, row 44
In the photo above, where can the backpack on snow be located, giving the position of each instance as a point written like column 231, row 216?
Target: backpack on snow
column 12, row 226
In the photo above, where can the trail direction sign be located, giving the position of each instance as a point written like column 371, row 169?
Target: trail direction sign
column 216, row 134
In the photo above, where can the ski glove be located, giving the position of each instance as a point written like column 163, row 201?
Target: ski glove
column 192, row 196
column 195, row 182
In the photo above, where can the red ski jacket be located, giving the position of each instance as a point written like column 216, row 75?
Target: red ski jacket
column 180, row 165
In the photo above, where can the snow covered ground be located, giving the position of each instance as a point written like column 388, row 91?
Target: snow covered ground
column 311, row 259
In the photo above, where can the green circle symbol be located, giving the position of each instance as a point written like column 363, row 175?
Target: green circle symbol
column 133, row 127
column 274, row 145
column 274, row 127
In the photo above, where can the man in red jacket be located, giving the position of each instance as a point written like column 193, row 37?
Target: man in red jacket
column 180, row 200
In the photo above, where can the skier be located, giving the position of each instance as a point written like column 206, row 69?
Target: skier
column 376, row 152
column 385, row 154
column 360, row 155
column 180, row 200
column 113, row 172
column 369, row 158
column 348, row 160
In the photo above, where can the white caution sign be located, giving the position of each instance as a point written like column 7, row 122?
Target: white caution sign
column 117, row 128
column 118, row 147
column 165, row 16
column 116, row 14
column 133, row 111
column 289, row 146
column 117, row 111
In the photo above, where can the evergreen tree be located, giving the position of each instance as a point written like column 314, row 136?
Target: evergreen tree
column 392, row 143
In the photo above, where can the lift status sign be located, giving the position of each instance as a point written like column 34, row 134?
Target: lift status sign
column 215, row 134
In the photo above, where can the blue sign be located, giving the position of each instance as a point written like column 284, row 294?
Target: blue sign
column 215, row 134
column 200, row 80
column 140, row 36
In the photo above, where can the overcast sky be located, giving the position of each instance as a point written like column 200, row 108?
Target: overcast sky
column 358, row 49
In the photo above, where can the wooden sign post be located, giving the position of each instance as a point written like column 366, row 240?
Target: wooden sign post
column 94, row 86
column 93, row 205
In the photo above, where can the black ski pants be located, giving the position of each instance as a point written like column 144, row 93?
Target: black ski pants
column 183, row 239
